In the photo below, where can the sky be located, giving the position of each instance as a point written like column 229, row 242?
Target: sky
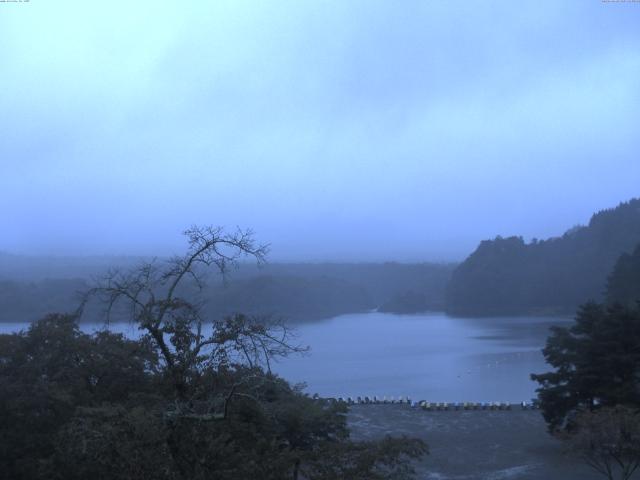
column 336, row 130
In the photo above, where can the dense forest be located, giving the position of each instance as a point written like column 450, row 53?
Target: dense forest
column 295, row 292
column 175, row 404
column 510, row 276
column 623, row 285
column 502, row 276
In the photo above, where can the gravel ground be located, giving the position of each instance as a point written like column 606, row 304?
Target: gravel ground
column 491, row 445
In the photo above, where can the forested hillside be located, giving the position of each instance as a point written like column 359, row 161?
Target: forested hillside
column 623, row 285
column 510, row 276
column 295, row 292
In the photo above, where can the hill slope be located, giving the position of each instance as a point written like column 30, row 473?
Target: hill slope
column 623, row 285
column 31, row 287
column 509, row 276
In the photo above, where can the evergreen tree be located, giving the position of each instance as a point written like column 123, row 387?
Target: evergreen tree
column 623, row 285
column 596, row 361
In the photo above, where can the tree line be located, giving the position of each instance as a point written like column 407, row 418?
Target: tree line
column 193, row 398
column 511, row 276
column 591, row 399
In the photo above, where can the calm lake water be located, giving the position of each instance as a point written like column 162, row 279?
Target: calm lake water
column 427, row 356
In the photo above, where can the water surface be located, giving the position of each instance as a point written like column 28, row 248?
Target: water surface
column 427, row 356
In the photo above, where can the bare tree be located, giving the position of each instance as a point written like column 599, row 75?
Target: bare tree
column 608, row 440
column 163, row 299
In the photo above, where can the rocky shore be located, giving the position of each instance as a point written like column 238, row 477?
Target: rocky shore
column 474, row 444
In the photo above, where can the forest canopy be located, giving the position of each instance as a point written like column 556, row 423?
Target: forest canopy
column 510, row 276
column 193, row 398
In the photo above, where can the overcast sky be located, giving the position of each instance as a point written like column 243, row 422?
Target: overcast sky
column 337, row 130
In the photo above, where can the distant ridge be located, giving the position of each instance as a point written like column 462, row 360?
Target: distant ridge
column 31, row 287
column 508, row 276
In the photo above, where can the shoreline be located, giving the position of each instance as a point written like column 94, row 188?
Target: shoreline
column 473, row 445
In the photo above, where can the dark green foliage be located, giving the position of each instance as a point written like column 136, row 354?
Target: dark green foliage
column 623, row 285
column 77, row 406
column 48, row 372
column 407, row 302
column 596, row 361
column 509, row 276
column 111, row 441
column 191, row 400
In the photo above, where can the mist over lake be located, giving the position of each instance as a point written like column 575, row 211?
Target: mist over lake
column 234, row 234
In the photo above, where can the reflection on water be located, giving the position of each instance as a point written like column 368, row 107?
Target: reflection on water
column 429, row 356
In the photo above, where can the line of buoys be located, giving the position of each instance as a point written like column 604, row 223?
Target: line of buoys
column 374, row 400
column 435, row 406
column 430, row 406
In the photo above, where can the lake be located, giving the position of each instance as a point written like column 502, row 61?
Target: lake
column 428, row 356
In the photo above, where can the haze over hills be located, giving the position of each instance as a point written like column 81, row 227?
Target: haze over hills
column 503, row 276
column 27, row 268
column 509, row 276
column 30, row 287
